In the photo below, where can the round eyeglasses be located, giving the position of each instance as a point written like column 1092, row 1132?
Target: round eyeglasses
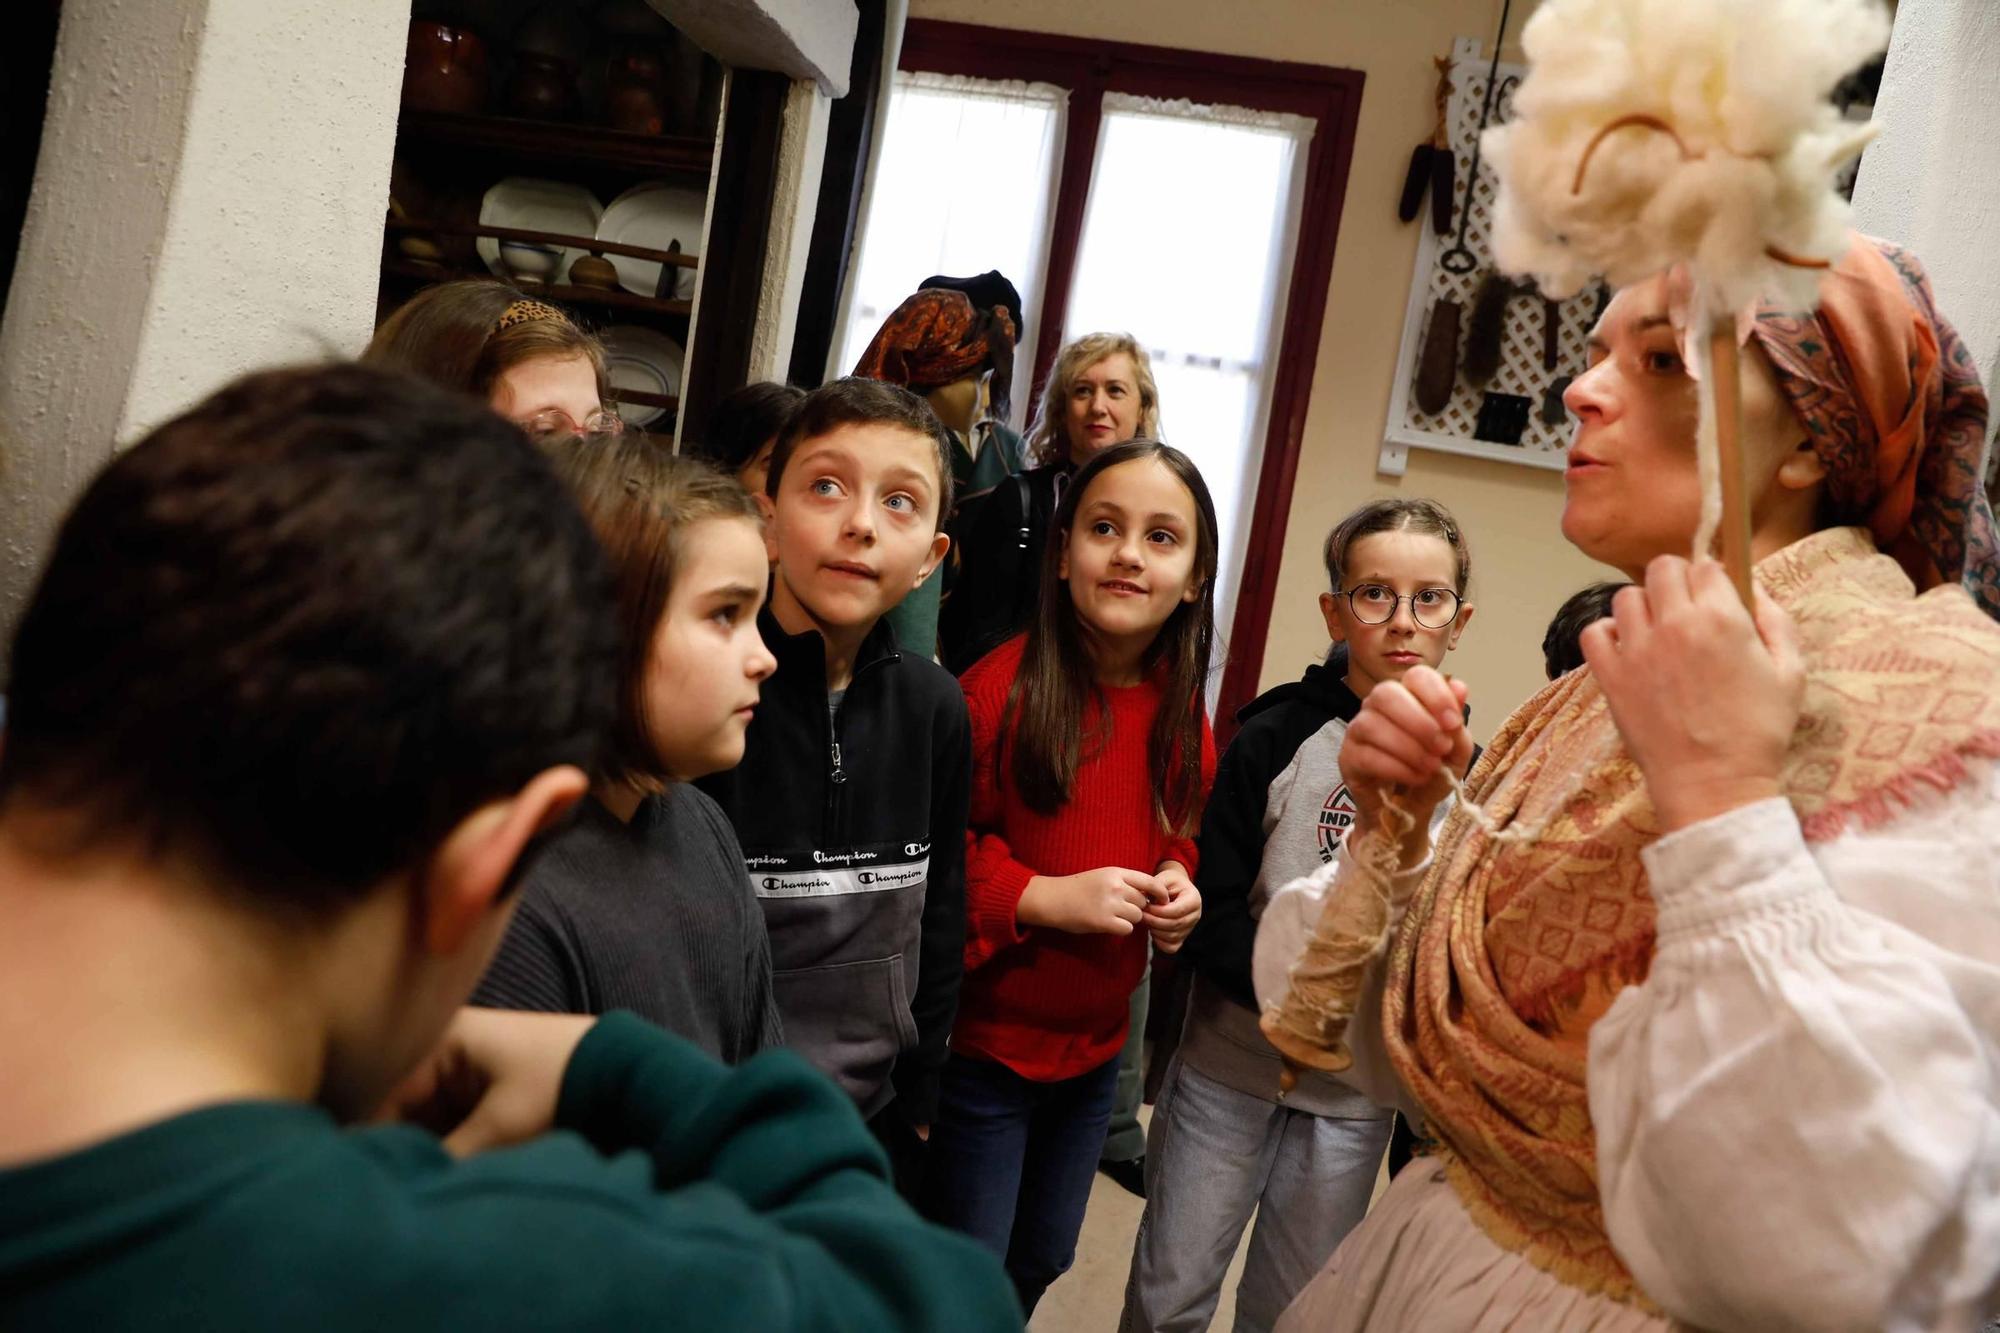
column 1375, row 604
column 553, row 422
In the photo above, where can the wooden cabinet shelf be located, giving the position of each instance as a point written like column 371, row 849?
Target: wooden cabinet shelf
column 609, row 298
column 554, row 143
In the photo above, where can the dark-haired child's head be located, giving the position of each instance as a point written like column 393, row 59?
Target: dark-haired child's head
column 1138, row 549
column 686, row 545
column 331, row 634
column 1562, row 644
column 859, row 487
column 743, row 430
column 1129, row 580
column 1398, row 572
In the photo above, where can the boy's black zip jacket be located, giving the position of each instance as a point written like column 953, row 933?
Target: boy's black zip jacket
column 853, row 833
column 1274, row 725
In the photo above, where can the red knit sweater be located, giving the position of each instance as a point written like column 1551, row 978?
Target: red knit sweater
column 1048, row 1004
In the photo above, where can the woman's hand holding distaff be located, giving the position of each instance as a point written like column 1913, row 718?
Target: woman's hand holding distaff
column 1110, row 900
column 1175, row 909
column 1407, row 731
column 1706, row 698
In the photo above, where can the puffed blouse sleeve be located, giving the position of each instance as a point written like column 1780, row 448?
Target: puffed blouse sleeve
column 1798, row 1112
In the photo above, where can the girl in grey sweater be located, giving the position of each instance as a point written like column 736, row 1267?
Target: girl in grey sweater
column 641, row 902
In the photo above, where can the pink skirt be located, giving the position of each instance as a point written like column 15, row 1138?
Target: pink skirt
column 1418, row 1261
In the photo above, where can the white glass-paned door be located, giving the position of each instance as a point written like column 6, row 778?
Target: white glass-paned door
column 1187, row 244
column 965, row 182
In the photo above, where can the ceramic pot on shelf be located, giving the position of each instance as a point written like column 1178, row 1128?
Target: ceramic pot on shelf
column 541, row 87
column 444, row 69
column 635, row 91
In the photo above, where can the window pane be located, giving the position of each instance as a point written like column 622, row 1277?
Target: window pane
column 963, row 185
column 1187, row 244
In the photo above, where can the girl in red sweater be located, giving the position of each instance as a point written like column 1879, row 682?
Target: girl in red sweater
column 1091, row 756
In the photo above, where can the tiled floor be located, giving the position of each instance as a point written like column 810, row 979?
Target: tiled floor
column 1090, row 1297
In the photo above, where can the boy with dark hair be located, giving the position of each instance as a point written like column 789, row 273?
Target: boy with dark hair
column 851, row 798
column 308, row 673
column 1562, row 644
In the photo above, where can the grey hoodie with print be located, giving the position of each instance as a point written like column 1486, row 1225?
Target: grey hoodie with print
column 1278, row 812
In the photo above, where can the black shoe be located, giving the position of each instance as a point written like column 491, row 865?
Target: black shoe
column 1129, row 1176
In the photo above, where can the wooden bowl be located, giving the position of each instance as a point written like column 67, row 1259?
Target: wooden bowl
column 593, row 271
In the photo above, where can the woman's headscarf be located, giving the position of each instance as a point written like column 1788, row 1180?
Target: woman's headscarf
column 1896, row 410
column 936, row 337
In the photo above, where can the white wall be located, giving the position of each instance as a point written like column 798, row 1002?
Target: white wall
column 273, row 241
column 89, row 249
column 1932, row 180
column 794, row 207
column 209, row 199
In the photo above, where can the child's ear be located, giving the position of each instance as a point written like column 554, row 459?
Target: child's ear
column 1193, row 593
column 770, row 515
column 1329, row 609
column 462, row 881
column 940, row 543
column 1458, row 625
column 1062, row 563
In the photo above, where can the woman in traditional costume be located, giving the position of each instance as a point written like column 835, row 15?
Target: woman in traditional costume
column 1701, row 1007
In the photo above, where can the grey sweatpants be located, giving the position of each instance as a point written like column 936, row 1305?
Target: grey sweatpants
column 1215, row 1155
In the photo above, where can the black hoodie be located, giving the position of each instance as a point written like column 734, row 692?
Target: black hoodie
column 853, row 832
column 1274, row 725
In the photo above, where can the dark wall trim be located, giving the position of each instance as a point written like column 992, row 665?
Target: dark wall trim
column 850, row 127
column 738, row 236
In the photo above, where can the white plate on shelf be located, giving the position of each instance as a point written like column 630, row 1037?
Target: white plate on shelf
column 533, row 204
column 643, row 359
column 655, row 215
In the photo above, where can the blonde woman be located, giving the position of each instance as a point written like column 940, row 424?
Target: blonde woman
column 1100, row 393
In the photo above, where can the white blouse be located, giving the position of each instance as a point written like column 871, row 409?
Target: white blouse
column 1798, row 1112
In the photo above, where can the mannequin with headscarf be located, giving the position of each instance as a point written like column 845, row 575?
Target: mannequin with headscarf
column 1700, row 1002
column 960, row 357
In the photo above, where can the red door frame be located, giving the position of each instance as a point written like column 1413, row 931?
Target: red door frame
column 1089, row 69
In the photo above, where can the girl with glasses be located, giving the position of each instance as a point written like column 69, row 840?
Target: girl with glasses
column 527, row 359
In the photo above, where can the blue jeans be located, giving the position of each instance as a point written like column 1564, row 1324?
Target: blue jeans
column 1215, row 1156
column 1012, row 1161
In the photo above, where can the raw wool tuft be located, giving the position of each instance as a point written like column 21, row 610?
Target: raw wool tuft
column 1743, row 83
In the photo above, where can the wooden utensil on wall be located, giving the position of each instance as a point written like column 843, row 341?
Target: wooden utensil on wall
column 1433, row 167
column 1437, row 367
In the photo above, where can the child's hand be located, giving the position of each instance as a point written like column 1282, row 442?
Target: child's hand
column 1110, row 900
column 1407, row 731
column 493, row 1079
column 1175, row 908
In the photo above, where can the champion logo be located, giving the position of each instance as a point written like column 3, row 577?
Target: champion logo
column 843, row 858
column 889, row 879
column 1335, row 818
column 797, row 885
column 916, row 849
